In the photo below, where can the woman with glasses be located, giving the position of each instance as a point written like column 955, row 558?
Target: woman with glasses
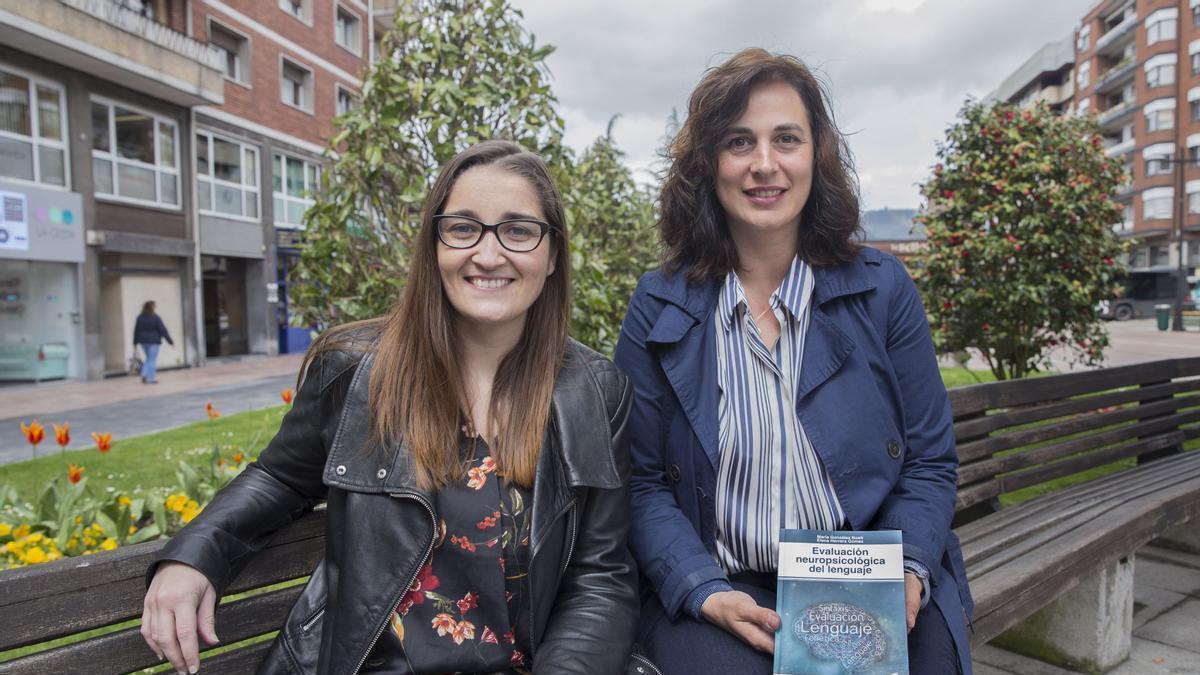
column 785, row 378
column 473, row 459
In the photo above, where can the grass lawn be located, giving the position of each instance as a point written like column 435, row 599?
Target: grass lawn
column 149, row 461
column 145, row 462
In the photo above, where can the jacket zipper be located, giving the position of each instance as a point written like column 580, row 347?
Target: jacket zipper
column 566, row 563
column 313, row 620
column 404, row 589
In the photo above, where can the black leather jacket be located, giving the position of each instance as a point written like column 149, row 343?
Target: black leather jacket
column 380, row 527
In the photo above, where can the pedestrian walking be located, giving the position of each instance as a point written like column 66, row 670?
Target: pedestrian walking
column 149, row 332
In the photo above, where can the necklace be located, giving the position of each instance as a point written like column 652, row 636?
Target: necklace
column 762, row 314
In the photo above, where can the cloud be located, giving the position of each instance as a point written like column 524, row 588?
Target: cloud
column 898, row 70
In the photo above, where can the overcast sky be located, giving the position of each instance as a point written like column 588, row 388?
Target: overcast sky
column 898, row 70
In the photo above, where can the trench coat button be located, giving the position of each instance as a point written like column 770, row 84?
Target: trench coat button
column 340, row 470
column 674, row 473
column 382, row 473
column 894, row 449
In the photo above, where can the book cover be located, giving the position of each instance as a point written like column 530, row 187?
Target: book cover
column 841, row 603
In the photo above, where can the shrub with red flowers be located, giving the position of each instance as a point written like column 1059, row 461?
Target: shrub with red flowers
column 1019, row 216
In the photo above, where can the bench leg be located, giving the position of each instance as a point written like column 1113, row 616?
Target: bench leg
column 1088, row 629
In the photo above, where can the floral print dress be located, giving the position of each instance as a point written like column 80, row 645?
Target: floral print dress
column 461, row 614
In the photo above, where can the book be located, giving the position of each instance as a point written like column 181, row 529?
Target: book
column 840, row 598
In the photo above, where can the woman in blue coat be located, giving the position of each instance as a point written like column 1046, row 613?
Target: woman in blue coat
column 785, row 377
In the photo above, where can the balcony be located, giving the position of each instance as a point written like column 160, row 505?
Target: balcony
column 1115, row 77
column 1115, row 39
column 1120, row 149
column 101, row 38
column 1116, row 114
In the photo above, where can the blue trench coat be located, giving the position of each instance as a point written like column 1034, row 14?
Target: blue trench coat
column 870, row 398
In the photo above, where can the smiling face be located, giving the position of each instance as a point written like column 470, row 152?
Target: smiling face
column 489, row 286
column 765, row 163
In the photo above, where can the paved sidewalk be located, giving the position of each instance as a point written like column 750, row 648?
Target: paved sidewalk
column 1166, row 623
column 126, row 407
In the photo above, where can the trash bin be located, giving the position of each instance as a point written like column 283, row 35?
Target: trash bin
column 1163, row 314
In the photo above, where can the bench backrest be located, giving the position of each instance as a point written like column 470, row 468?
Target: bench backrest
column 1020, row 434
column 1011, row 435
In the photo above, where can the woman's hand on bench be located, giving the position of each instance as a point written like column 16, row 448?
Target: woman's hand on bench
column 179, row 605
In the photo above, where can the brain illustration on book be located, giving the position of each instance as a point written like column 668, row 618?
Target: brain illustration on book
column 841, row 632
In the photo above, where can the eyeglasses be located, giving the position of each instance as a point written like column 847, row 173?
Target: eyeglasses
column 519, row 235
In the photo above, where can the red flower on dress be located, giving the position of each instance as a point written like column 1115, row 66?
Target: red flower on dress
column 509, row 638
column 463, row 630
column 517, row 658
column 462, row 542
column 489, row 636
column 445, row 624
column 488, row 464
column 425, row 581
column 469, row 601
column 501, row 559
column 488, row 521
column 478, row 478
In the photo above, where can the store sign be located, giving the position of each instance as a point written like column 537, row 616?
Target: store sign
column 40, row 224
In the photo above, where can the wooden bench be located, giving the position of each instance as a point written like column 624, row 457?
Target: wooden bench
column 1023, row 561
column 1066, row 558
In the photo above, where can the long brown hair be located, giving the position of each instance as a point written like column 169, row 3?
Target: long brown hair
column 417, row 391
column 692, row 222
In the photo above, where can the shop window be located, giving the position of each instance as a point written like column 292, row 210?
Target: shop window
column 33, row 129
column 134, row 155
column 294, row 181
column 348, row 30
column 226, row 177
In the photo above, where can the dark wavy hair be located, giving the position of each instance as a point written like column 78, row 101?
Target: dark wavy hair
column 691, row 221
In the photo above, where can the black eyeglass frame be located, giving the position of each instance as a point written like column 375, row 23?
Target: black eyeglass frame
column 494, row 229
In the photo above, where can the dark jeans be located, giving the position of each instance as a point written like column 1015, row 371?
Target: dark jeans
column 687, row 646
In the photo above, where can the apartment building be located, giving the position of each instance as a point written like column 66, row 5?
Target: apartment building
column 1047, row 76
column 1138, row 72
column 290, row 67
column 95, row 181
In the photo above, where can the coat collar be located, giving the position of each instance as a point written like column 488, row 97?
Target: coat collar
column 578, row 448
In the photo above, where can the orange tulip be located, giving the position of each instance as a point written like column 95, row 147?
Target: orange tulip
column 238, row 457
column 74, row 473
column 34, row 433
column 286, row 395
column 212, row 412
column 103, row 441
column 62, row 435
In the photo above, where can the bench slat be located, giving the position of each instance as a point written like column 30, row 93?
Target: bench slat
column 125, row 650
column 78, row 594
column 978, row 398
column 976, row 456
column 975, row 427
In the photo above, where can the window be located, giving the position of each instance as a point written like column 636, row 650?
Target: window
column 348, row 30
column 1160, row 70
column 1084, row 75
column 1156, row 203
column 346, row 101
column 295, row 85
column 1195, row 106
column 33, row 129
column 1158, row 165
column 1196, row 15
column 226, row 177
column 1085, row 105
column 1160, row 25
column 1085, row 38
column 134, row 155
column 300, row 9
column 1193, row 196
column 293, row 183
column 234, row 47
column 1160, row 114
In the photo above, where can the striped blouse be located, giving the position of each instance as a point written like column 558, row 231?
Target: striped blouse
column 770, row 477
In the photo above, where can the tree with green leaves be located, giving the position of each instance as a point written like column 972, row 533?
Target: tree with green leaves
column 613, row 240
column 450, row 74
column 1018, row 215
